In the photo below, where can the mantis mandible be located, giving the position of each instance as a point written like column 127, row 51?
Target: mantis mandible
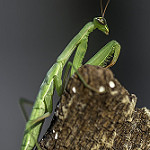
column 44, row 104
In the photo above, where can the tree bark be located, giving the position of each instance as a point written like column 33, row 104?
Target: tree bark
column 103, row 117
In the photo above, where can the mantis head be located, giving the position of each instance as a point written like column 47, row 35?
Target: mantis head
column 101, row 24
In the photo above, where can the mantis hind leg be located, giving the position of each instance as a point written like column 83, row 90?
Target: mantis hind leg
column 23, row 101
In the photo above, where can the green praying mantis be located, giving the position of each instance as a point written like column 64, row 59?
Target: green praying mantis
column 43, row 105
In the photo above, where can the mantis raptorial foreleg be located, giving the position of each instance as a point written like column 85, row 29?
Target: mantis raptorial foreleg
column 43, row 104
column 79, row 55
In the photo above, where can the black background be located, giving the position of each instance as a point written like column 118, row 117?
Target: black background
column 34, row 32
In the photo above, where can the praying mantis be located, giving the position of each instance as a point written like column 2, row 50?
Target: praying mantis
column 44, row 104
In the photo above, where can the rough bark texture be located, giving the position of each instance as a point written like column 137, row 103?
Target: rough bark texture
column 104, row 120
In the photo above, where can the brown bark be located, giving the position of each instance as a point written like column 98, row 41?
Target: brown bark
column 104, row 120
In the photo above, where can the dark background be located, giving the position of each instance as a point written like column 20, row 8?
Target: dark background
column 33, row 34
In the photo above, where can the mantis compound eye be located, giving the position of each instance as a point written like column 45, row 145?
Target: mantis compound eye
column 101, row 20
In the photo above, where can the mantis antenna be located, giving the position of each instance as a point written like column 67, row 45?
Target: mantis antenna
column 101, row 5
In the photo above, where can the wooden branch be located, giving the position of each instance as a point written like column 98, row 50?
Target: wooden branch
column 104, row 120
